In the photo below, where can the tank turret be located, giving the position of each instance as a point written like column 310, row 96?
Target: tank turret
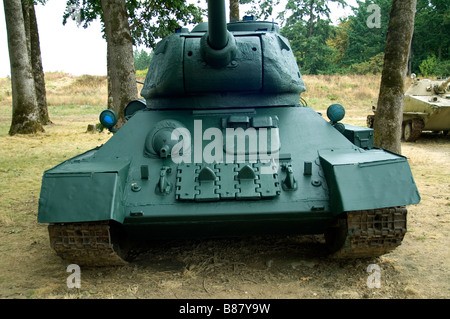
column 442, row 88
column 223, row 65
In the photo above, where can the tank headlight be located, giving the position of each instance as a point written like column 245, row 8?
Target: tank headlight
column 108, row 118
column 335, row 112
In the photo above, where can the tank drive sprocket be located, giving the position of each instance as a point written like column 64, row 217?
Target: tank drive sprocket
column 88, row 243
column 367, row 233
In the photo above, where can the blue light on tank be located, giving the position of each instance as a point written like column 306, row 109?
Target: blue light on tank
column 335, row 112
column 108, row 118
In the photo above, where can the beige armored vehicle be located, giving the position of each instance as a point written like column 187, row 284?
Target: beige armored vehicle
column 426, row 108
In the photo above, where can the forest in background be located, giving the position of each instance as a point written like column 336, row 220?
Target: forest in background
column 356, row 44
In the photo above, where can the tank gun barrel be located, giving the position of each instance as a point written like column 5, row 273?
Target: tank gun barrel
column 217, row 25
column 441, row 88
column 218, row 46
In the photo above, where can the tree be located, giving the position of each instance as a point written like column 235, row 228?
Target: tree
column 34, row 48
column 389, row 115
column 234, row 10
column 312, row 53
column 121, row 73
column 365, row 41
column 142, row 59
column 262, row 9
column 308, row 27
column 431, row 33
column 149, row 20
column 25, row 115
column 310, row 11
column 339, row 41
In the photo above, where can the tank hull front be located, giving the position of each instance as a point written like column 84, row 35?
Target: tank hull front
column 317, row 174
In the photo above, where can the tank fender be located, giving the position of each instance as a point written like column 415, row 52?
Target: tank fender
column 367, row 179
column 83, row 191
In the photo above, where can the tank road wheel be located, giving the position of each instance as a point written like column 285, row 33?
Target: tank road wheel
column 367, row 233
column 412, row 130
column 407, row 129
column 89, row 243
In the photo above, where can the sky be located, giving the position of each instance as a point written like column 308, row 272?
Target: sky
column 68, row 48
column 72, row 49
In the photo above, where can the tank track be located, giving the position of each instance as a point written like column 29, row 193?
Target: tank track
column 370, row 233
column 87, row 243
column 362, row 234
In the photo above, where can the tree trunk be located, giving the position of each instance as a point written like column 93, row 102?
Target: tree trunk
column 121, row 73
column 25, row 115
column 311, row 18
column 389, row 115
column 440, row 44
column 234, row 10
column 36, row 61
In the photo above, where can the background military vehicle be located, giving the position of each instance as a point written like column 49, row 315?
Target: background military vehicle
column 221, row 146
column 426, row 108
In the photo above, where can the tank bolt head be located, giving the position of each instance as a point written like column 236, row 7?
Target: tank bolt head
column 135, row 187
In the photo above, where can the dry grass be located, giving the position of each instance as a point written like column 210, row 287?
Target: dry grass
column 69, row 90
column 354, row 92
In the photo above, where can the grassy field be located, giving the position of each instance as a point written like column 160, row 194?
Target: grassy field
column 75, row 102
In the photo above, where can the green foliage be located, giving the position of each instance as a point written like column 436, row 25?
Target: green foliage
column 261, row 9
column 308, row 27
column 142, row 59
column 431, row 32
column 308, row 10
column 431, row 67
column 312, row 54
column 443, row 69
column 149, row 20
column 141, row 73
column 365, row 42
column 356, row 46
column 428, row 66
column 152, row 20
column 339, row 41
column 373, row 66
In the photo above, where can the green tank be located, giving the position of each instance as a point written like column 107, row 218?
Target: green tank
column 221, row 146
column 426, row 108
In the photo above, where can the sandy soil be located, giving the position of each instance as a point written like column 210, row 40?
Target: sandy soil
column 275, row 267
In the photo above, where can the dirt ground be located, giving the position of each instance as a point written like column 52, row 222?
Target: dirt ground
column 250, row 268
